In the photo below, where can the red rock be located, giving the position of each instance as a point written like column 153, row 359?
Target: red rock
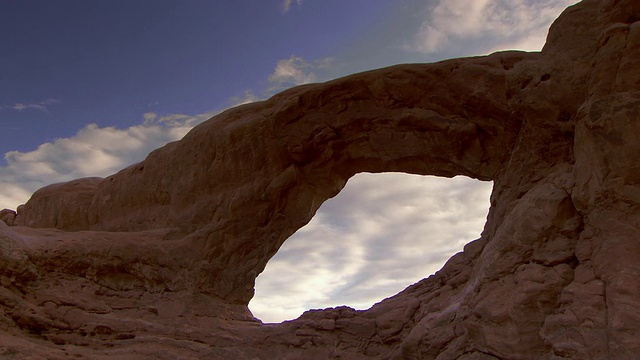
column 167, row 251
column 7, row 216
column 63, row 206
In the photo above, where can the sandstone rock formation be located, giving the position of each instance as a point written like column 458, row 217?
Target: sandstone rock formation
column 159, row 260
column 71, row 201
column 8, row 217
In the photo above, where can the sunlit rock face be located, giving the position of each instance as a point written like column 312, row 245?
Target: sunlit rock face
column 162, row 261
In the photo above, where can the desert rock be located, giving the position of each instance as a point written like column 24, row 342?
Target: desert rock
column 8, row 216
column 62, row 206
column 159, row 260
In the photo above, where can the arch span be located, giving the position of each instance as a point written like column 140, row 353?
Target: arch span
column 240, row 184
column 237, row 186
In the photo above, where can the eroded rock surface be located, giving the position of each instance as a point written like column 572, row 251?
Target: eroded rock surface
column 159, row 260
column 8, row 217
column 71, row 201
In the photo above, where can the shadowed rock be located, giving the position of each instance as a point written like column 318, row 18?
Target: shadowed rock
column 163, row 255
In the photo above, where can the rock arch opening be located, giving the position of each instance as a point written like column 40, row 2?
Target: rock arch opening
column 380, row 234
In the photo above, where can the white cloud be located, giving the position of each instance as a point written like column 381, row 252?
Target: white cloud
column 247, row 97
column 292, row 70
column 383, row 232
column 41, row 105
column 296, row 71
column 496, row 24
column 286, row 4
column 287, row 73
column 93, row 151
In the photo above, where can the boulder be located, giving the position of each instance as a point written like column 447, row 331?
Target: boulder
column 7, row 216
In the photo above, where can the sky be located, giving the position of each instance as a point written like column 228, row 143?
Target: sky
column 90, row 87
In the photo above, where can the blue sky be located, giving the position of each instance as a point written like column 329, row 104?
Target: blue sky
column 67, row 63
column 89, row 87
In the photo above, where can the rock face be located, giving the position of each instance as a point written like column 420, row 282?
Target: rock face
column 71, row 201
column 8, row 217
column 162, row 256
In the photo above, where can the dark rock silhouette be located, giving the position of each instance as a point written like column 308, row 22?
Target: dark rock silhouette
column 159, row 260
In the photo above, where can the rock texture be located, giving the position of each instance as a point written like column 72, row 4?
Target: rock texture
column 8, row 217
column 159, row 260
column 71, row 201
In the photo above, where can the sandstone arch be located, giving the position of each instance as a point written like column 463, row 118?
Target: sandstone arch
column 185, row 232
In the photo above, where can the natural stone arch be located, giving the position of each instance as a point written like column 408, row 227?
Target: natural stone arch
column 238, row 185
column 556, row 131
column 272, row 164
